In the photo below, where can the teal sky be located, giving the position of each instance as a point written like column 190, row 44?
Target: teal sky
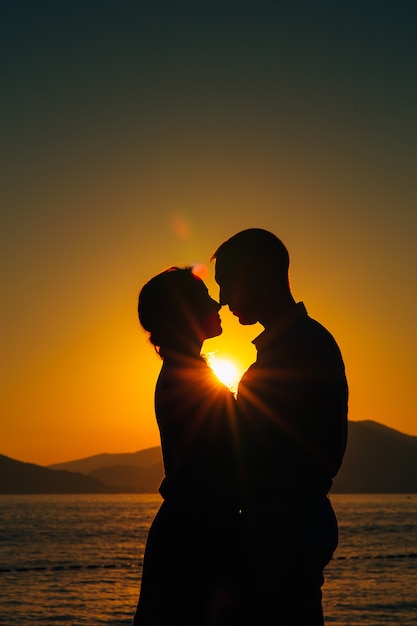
column 140, row 135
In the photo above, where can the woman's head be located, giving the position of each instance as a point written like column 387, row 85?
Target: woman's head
column 177, row 311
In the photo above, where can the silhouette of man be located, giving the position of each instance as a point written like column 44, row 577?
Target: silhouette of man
column 292, row 405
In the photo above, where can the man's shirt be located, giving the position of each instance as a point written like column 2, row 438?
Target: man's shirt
column 292, row 407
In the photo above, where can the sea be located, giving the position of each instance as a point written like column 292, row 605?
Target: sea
column 77, row 559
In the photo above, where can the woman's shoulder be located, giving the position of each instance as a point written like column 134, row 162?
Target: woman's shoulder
column 191, row 381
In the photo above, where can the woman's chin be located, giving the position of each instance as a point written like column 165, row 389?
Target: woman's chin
column 212, row 327
column 214, row 331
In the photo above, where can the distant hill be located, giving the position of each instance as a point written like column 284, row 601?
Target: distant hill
column 378, row 459
column 143, row 458
column 130, row 479
column 135, row 472
column 18, row 477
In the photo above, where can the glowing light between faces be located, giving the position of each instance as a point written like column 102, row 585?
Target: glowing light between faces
column 226, row 370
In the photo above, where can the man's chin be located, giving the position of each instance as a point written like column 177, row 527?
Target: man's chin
column 245, row 321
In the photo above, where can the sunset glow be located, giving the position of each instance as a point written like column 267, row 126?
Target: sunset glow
column 152, row 156
column 226, row 370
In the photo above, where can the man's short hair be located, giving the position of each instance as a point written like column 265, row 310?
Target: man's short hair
column 255, row 249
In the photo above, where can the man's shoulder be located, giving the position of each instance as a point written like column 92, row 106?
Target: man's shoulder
column 303, row 343
column 315, row 329
column 299, row 329
column 317, row 337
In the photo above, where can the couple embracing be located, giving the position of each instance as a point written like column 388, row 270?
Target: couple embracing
column 246, row 527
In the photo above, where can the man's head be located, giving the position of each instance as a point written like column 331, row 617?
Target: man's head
column 252, row 272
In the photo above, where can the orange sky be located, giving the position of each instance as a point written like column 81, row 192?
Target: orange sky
column 135, row 141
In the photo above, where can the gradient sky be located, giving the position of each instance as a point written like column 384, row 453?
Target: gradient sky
column 138, row 135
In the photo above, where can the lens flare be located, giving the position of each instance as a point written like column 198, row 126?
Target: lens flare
column 181, row 227
column 226, row 370
column 200, row 270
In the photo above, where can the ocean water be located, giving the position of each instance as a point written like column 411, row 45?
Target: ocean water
column 77, row 559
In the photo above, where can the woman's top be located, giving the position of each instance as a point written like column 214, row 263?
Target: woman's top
column 195, row 413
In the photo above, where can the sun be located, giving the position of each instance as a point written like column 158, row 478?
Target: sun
column 226, row 370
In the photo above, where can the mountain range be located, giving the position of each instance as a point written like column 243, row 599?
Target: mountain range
column 18, row 477
column 378, row 459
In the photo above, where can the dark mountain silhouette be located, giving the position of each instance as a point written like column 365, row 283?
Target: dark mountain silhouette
column 143, row 458
column 18, row 477
column 130, row 479
column 378, row 459
column 136, row 472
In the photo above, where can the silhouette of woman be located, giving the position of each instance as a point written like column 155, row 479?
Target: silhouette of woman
column 192, row 545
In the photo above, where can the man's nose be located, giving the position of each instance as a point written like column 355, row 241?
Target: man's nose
column 222, row 297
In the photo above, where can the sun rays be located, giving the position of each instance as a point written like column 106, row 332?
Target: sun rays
column 226, row 369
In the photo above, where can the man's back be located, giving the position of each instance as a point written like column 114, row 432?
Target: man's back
column 293, row 409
